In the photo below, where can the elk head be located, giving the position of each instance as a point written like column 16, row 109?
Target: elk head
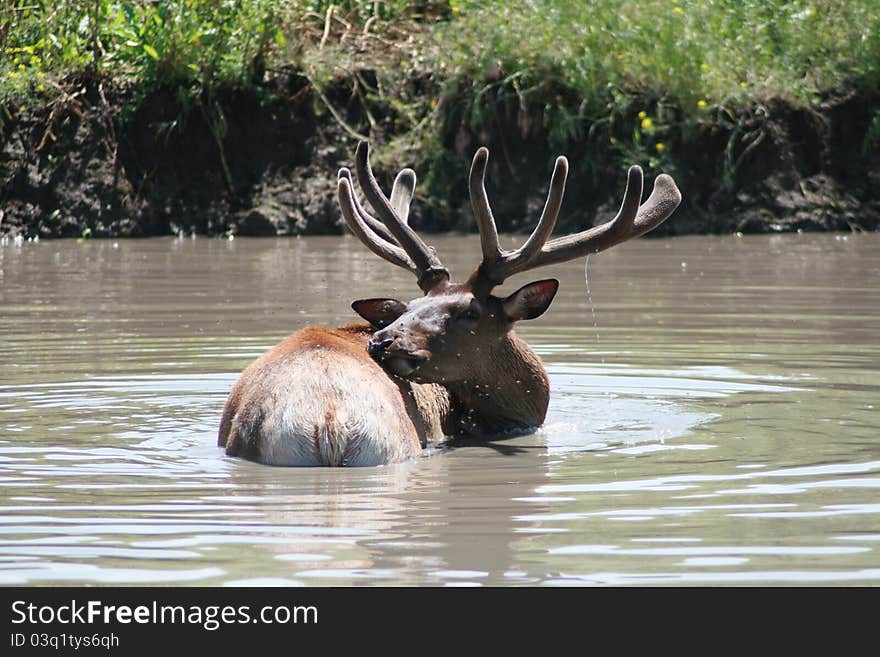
column 444, row 336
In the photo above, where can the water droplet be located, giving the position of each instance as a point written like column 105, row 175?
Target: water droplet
column 590, row 299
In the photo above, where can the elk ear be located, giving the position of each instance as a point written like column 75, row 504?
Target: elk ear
column 530, row 301
column 379, row 312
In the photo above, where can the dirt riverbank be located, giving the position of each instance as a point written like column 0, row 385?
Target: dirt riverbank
column 101, row 162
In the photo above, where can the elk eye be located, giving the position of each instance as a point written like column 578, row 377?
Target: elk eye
column 471, row 314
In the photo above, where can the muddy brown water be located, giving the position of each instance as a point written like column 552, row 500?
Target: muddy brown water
column 715, row 419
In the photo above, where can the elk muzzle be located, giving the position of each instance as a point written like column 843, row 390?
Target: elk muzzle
column 395, row 355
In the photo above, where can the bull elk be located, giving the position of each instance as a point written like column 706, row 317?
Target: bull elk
column 445, row 364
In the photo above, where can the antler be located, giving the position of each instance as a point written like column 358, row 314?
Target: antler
column 497, row 264
column 391, row 238
column 631, row 221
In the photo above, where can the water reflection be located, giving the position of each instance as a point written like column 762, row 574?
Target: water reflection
column 713, row 420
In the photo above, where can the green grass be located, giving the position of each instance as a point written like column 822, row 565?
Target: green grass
column 643, row 75
column 174, row 42
column 637, row 75
column 719, row 51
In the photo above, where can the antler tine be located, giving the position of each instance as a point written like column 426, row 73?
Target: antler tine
column 632, row 220
column 548, row 216
column 402, row 193
column 481, row 208
column 401, row 198
column 358, row 223
column 377, row 226
column 665, row 197
column 429, row 269
column 521, row 259
column 497, row 264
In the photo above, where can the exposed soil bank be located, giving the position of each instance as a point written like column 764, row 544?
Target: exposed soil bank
column 101, row 163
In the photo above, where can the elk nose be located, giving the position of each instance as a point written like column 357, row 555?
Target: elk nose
column 377, row 347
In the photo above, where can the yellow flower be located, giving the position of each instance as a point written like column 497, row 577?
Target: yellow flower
column 677, row 10
column 642, row 114
column 704, row 67
column 742, row 84
column 701, row 103
column 660, row 146
column 647, row 124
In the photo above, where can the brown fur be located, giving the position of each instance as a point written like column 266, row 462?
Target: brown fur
column 420, row 411
column 508, row 391
column 350, row 339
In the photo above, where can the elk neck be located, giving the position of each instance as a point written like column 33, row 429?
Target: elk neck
column 508, row 390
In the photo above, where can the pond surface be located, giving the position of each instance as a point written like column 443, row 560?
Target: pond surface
column 715, row 419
